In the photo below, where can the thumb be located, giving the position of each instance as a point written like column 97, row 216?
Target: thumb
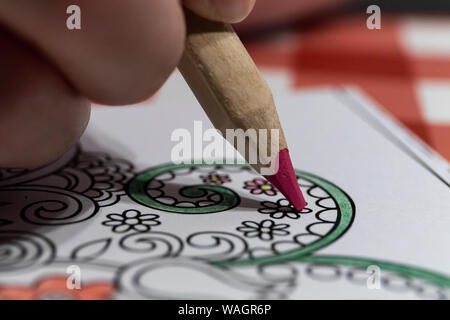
column 230, row 11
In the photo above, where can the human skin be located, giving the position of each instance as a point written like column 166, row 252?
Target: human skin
column 48, row 74
column 270, row 13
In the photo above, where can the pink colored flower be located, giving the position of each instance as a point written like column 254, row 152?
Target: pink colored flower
column 260, row 186
column 216, row 178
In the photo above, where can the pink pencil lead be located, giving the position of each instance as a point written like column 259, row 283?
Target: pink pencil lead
column 286, row 181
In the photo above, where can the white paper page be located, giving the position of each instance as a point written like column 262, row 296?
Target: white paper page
column 131, row 223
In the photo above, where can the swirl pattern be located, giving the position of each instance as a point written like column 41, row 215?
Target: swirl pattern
column 20, row 249
column 265, row 234
column 213, row 246
column 152, row 188
column 154, row 244
column 59, row 207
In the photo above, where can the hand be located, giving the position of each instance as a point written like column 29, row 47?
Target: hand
column 124, row 52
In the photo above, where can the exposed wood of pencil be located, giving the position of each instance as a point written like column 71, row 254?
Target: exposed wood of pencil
column 226, row 81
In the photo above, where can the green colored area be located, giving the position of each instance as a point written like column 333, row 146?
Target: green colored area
column 400, row 269
column 346, row 210
column 137, row 190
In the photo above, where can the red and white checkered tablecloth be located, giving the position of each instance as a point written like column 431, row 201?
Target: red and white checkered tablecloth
column 405, row 66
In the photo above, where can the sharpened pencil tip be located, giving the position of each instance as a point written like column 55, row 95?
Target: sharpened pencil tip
column 286, row 182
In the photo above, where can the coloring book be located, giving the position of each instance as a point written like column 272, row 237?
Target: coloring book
column 118, row 214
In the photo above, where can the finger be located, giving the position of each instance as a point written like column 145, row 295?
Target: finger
column 123, row 53
column 266, row 14
column 221, row 10
column 41, row 116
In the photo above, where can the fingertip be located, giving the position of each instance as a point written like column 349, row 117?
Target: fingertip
column 41, row 115
column 230, row 11
column 138, row 67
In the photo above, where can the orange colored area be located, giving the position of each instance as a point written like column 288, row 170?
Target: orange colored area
column 55, row 287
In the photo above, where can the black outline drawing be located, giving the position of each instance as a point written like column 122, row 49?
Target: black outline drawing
column 108, row 179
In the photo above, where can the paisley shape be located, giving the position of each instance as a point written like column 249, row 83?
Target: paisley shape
column 137, row 190
column 91, row 250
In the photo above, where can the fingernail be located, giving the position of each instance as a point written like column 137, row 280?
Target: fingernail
column 231, row 11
